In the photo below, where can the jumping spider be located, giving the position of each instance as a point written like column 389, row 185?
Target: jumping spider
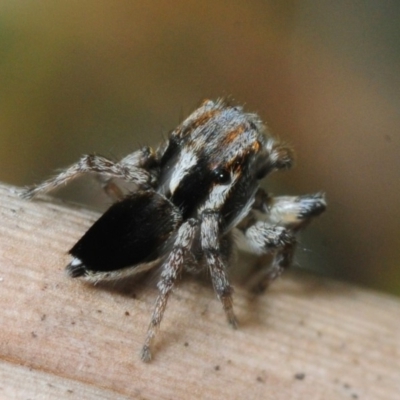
column 195, row 196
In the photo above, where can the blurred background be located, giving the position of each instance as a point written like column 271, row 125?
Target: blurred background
column 109, row 76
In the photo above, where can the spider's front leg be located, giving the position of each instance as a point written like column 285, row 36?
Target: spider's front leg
column 292, row 212
column 274, row 230
column 171, row 269
column 210, row 244
column 131, row 168
column 263, row 238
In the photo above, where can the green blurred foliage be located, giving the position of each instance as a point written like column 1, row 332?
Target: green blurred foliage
column 101, row 76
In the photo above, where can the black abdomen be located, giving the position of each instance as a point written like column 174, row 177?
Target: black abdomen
column 130, row 232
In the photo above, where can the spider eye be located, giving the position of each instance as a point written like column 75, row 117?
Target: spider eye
column 221, row 175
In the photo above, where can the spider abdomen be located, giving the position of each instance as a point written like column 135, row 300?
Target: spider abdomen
column 130, row 232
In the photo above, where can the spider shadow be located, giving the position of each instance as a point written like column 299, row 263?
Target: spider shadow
column 251, row 309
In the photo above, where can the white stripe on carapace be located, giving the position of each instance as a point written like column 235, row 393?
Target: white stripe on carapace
column 186, row 161
column 218, row 194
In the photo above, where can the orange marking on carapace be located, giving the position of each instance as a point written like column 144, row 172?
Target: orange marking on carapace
column 204, row 118
column 232, row 135
column 256, row 146
column 201, row 120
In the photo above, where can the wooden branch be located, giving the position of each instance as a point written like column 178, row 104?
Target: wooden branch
column 307, row 338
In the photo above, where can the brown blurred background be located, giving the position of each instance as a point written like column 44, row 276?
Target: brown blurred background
column 108, row 76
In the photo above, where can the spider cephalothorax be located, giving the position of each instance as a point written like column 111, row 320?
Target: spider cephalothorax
column 195, row 196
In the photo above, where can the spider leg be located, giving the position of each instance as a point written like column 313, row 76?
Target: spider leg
column 110, row 187
column 271, row 228
column 263, row 238
column 210, row 244
column 131, row 168
column 171, row 269
column 293, row 212
column 143, row 158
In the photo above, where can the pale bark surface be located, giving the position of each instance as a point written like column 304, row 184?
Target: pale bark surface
column 307, row 338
